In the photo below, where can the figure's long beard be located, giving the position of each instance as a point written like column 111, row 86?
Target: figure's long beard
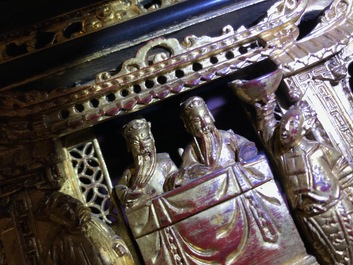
column 209, row 145
column 145, row 167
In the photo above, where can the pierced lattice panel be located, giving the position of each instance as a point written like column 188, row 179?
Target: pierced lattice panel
column 93, row 178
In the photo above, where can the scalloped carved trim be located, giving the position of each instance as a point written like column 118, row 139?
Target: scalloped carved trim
column 182, row 53
column 147, row 78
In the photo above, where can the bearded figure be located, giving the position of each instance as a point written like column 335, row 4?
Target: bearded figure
column 145, row 178
column 211, row 148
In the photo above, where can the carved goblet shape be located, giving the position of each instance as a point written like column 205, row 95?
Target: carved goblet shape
column 257, row 89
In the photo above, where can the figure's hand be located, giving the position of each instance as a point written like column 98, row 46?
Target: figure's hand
column 184, row 176
column 266, row 107
column 178, row 179
column 173, row 181
column 349, row 193
column 315, row 208
column 271, row 98
column 132, row 196
column 198, row 170
column 265, row 101
column 312, row 203
column 118, row 246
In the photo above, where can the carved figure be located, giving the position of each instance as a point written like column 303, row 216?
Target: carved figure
column 316, row 178
column 145, row 179
column 211, row 148
column 231, row 209
column 77, row 237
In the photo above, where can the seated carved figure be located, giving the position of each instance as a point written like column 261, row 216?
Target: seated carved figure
column 145, row 179
column 76, row 237
column 211, row 148
column 316, row 178
column 225, row 208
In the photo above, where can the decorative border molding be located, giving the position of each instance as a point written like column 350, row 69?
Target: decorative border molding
column 165, row 67
column 71, row 26
column 330, row 36
column 147, row 78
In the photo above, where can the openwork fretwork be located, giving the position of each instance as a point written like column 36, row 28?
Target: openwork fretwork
column 93, row 177
column 73, row 25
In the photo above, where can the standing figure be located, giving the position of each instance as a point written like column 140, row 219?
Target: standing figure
column 211, row 148
column 316, row 177
column 145, row 179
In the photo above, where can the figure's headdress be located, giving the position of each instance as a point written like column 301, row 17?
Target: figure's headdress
column 134, row 125
column 294, row 111
column 190, row 103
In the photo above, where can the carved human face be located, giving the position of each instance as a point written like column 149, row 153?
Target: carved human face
column 142, row 142
column 291, row 128
column 200, row 121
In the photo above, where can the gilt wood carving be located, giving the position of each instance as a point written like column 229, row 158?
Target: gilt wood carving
column 286, row 199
